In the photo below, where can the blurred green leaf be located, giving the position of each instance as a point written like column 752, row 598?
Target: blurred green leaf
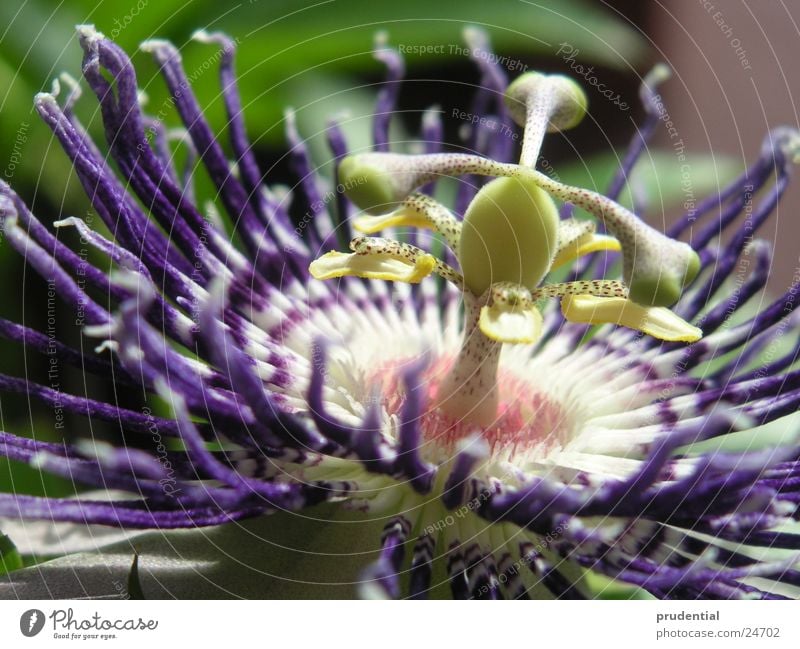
column 605, row 588
column 660, row 176
column 283, row 45
column 10, row 559
column 20, row 478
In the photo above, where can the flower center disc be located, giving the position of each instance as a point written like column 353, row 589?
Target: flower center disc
column 527, row 419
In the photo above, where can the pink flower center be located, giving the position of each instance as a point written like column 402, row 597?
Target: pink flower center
column 525, row 418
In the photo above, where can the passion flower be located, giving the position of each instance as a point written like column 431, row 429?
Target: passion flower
column 513, row 448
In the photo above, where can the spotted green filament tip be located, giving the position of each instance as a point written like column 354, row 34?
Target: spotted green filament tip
column 369, row 186
column 378, row 183
column 663, row 286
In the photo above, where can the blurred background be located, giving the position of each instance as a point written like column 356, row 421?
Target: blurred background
column 730, row 85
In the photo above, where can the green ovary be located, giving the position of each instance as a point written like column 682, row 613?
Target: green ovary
column 509, row 235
